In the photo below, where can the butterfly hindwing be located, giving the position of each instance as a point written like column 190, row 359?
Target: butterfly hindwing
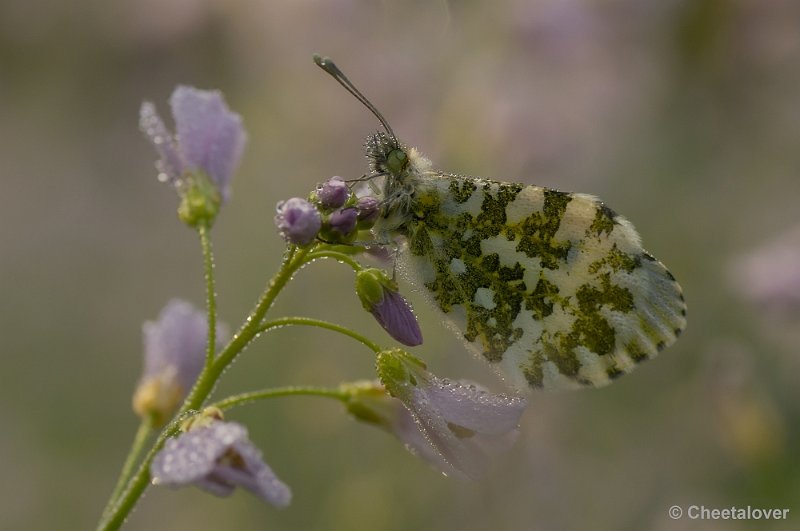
column 552, row 288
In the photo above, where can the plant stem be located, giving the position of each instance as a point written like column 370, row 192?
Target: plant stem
column 142, row 434
column 336, row 255
column 246, row 398
column 307, row 321
column 211, row 296
column 117, row 510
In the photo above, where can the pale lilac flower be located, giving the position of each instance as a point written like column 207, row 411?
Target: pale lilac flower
column 464, row 422
column 343, row 222
column 769, row 275
column 218, row 457
column 298, row 221
column 334, row 193
column 370, row 402
column 174, row 353
column 379, row 296
column 209, row 138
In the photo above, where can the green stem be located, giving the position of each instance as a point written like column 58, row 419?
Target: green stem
column 307, row 321
column 246, row 398
column 211, row 296
column 117, row 511
column 336, row 255
column 142, row 434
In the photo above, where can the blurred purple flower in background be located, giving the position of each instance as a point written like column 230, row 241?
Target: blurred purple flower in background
column 174, row 353
column 209, row 137
column 464, row 422
column 218, row 457
column 298, row 221
column 769, row 275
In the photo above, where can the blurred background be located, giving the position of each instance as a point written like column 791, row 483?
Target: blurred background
column 681, row 114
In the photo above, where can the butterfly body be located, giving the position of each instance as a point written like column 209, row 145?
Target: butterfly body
column 552, row 288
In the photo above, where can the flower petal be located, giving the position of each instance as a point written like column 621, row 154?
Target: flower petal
column 217, row 458
column 171, row 163
column 191, row 456
column 395, row 315
column 210, row 135
column 466, row 424
column 474, row 408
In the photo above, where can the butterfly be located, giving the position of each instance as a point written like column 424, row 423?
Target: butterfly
column 553, row 288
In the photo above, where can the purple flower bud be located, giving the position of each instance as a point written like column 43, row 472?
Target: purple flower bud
column 368, row 208
column 174, row 353
column 210, row 138
column 334, row 193
column 298, row 221
column 379, row 296
column 395, row 315
column 218, row 457
column 465, row 423
column 343, row 222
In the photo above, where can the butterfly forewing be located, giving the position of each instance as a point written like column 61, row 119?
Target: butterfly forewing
column 552, row 288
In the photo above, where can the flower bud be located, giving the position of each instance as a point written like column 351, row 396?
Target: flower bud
column 298, row 221
column 334, row 193
column 379, row 296
column 343, row 222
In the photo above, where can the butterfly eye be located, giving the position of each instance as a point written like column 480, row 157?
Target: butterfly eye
column 396, row 161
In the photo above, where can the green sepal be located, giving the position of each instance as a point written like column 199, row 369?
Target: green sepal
column 371, row 283
column 200, row 199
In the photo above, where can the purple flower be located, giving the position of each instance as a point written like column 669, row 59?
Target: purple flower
column 334, row 193
column 343, row 222
column 769, row 275
column 174, row 353
column 369, row 402
column 210, row 138
column 465, row 423
column 379, row 296
column 298, row 221
column 218, row 457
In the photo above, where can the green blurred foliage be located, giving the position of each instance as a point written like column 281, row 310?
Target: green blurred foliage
column 683, row 115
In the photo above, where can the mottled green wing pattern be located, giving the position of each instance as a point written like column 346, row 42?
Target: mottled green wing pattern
column 552, row 288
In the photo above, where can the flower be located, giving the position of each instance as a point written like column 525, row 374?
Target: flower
column 464, row 422
column 769, row 275
column 217, row 456
column 209, row 143
column 298, row 221
column 334, row 193
column 380, row 297
column 370, row 402
column 174, row 352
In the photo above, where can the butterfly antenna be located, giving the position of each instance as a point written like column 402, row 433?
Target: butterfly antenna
column 327, row 64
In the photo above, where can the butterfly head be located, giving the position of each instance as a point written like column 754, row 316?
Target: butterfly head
column 386, row 156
